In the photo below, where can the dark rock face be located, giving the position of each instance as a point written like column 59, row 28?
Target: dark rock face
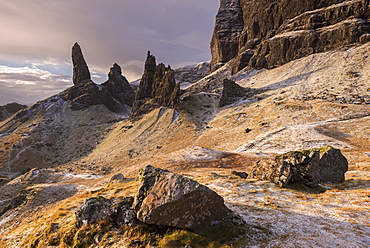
column 229, row 26
column 119, row 86
column 9, row 109
column 157, row 88
column 165, row 198
column 232, row 92
column 99, row 209
column 308, row 167
column 275, row 32
column 81, row 72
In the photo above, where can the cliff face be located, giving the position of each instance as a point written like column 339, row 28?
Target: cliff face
column 269, row 33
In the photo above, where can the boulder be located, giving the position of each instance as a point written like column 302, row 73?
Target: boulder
column 308, row 167
column 99, row 209
column 169, row 199
column 157, row 88
column 81, row 73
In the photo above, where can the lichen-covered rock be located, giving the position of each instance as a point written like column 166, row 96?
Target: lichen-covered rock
column 309, row 167
column 81, row 73
column 269, row 33
column 99, row 209
column 157, row 88
column 169, row 199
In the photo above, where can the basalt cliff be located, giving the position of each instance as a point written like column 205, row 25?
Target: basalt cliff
column 269, row 33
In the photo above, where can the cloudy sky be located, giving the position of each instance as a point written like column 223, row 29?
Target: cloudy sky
column 36, row 37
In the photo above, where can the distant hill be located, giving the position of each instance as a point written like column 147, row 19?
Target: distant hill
column 9, row 109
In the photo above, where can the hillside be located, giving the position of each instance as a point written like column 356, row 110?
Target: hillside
column 65, row 149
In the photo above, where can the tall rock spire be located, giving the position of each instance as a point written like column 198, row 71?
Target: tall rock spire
column 146, row 82
column 157, row 88
column 81, row 72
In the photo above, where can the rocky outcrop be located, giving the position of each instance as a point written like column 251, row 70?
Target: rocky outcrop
column 270, row 33
column 232, row 92
column 309, row 167
column 157, row 88
column 9, row 109
column 119, row 87
column 81, row 72
column 165, row 198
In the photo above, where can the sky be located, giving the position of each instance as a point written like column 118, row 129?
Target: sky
column 36, row 38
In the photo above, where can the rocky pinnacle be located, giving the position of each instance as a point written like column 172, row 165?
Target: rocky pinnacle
column 81, row 72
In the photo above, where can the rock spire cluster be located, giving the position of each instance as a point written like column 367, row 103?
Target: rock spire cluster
column 116, row 94
column 157, row 88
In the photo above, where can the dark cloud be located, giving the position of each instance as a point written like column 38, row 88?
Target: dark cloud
column 40, row 33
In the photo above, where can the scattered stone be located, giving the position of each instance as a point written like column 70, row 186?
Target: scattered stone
column 169, row 199
column 248, row 130
column 243, row 175
column 309, row 167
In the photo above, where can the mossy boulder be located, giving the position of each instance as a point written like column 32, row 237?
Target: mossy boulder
column 307, row 167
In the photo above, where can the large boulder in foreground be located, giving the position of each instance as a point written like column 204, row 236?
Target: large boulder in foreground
column 309, row 167
column 165, row 198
